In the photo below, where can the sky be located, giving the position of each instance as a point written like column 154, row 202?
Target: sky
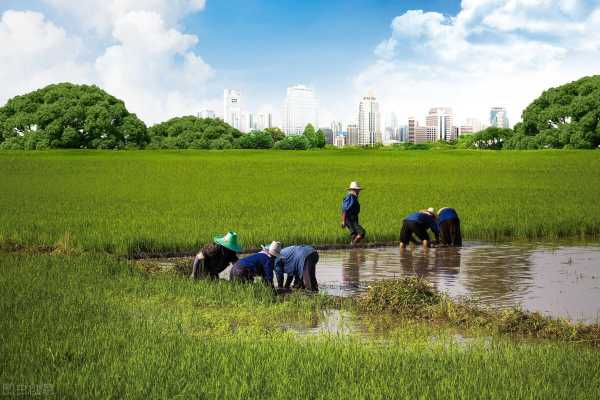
column 169, row 58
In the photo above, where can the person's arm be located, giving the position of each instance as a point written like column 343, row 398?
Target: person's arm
column 435, row 229
column 346, row 204
column 288, row 280
column 196, row 267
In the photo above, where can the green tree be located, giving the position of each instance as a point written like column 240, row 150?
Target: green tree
column 293, row 142
column 256, row 140
column 563, row 117
column 191, row 132
column 316, row 139
column 276, row 133
column 71, row 116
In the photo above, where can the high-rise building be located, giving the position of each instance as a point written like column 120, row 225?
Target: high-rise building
column 441, row 118
column 411, row 128
column 471, row 125
column 352, row 137
column 264, row 120
column 206, row 114
column 499, row 117
column 329, row 135
column 232, row 108
column 425, row 134
column 339, row 141
column 369, row 124
column 403, row 133
column 336, row 127
column 299, row 110
column 391, row 128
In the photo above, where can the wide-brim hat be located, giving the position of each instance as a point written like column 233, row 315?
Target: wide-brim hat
column 355, row 186
column 431, row 211
column 229, row 240
column 274, row 248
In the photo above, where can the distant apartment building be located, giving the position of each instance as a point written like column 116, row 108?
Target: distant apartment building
column 232, row 108
column 369, row 121
column 352, row 136
column 424, row 134
column 206, row 114
column 329, row 136
column 411, row 129
column 299, row 109
column 391, row 132
column 337, row 128
column 441, row 118
column 470, row 126
column 264, row 120
column 339, row 141
column 499, row 117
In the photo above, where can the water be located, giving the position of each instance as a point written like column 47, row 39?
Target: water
column 560, row 281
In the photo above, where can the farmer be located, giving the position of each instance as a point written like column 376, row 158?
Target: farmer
column 418, row 223
column 299, row 263
column 213, row 258
column 449, row 224
column 256, row 264
column 350, row 211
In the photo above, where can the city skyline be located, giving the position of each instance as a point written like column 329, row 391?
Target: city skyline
column 172, row 58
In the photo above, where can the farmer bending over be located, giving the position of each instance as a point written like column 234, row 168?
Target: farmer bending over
column 449, row 224
column 299, row 263
column 257, row 264
column 213, row 258
column 418, row 223
column 350, row 211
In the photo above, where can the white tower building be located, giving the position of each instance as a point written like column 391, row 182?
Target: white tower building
column 369, row 121
column 232, row 108
column 441, row 118
column 299, row 110
column 499, row 117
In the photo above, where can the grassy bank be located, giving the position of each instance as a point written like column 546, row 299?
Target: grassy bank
column 123, row 202
column 92, row 326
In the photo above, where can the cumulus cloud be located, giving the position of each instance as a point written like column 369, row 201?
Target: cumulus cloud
column 493, row 52
column 145, row 58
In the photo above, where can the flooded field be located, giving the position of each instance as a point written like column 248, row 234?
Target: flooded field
column 561, row 281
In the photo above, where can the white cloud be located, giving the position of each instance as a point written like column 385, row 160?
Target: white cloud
column 145, row 57
column 493, row 52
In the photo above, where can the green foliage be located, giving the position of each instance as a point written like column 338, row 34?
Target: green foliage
column 491, row 138
column 256, row 140
column 316, row 139
column 191, row 132
column 567, row 116
column 293, row 142
column 276, row 133
column 69, row 116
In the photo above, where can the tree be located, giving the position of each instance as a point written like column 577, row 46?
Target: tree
column 276, row 133
column 563, row 117
column 316, row 139
column 191, row 132
column 293, row 142
column 70, row 116
column 256, row 140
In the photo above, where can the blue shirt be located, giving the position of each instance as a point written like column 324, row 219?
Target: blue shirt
column 295, row 256
column 351, row 206
column 446, row 214
column 425, row 219
column 259, row 264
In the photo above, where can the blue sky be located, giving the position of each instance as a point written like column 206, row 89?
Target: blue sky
column 175, row 57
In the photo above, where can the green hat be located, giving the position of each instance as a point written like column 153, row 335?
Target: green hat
column 229, row 241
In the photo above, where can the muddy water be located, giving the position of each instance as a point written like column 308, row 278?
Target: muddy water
column 560, row 281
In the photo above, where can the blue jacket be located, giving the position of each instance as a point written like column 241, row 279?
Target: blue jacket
column 446, row 214
column 293, row 262
column 425, row 219
column 259, row 264
column 351, row 206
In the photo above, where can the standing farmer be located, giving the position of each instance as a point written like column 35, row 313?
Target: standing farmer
column 257, row 264
column 213, row 258
column 299, row 263
column 449, row 223
column 418, row 223
column 350, row 211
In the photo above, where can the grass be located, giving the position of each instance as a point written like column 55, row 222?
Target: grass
column 93, row 326
column 127, row 202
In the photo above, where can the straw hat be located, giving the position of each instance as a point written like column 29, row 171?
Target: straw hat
column 355, row 186
column 229, row 240
column 430, row 211
column 274, row 249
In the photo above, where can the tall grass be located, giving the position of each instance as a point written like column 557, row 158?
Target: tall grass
column 124, row 202
column 93, row 327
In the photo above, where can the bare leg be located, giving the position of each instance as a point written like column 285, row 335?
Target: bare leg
column 425, row 244
column 357, row 240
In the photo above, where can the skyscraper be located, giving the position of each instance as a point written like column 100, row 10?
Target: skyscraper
column 232, row 108
column 369, row 124
column 441, row 118
column 352, row 138
column 471, row 125
column 499, row 117
column 411, row 129
column 264, row 121
column 299, row 110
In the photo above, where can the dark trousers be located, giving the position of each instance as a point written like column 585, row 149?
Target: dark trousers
column 308, row 280
column 450, row 234
column 241, row 274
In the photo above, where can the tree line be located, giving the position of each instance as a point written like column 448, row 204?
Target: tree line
column 66, row 115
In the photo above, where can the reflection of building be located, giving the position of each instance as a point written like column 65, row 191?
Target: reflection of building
column 499, row 117
column 232, row 108
column 369, row 129
column 441, row 118
column 299, row 110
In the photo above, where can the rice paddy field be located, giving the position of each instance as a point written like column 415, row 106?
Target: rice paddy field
column 126, row 202
column 80, row 320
